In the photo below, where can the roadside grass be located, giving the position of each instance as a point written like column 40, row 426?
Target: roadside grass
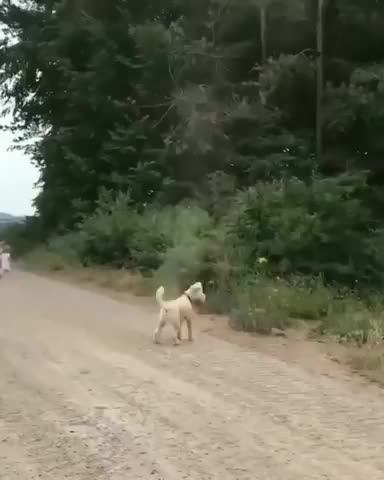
column 368, row 361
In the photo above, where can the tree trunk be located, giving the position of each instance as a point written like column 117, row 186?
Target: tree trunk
column 319, row 80
column 263, row 33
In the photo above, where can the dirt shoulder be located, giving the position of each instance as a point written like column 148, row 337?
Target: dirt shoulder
column 84, row 394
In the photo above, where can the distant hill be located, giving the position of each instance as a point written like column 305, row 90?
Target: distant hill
column 7, row 219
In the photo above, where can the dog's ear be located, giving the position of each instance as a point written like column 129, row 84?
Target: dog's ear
column 197, row 286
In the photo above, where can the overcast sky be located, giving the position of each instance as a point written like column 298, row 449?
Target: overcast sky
column 17, row 179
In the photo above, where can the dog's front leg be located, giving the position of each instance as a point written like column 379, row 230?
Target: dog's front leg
column 177, row 330
column 189, row 326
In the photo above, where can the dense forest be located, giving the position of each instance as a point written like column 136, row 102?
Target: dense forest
column 220, row 139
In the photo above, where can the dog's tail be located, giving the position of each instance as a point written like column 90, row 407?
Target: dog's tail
column 160, row 296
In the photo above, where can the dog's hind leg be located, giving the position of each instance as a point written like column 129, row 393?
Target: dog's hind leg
column 180, row 329
column 159, row 328
column 177, row 336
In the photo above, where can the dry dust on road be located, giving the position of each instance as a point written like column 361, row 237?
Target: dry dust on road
column 85, row 395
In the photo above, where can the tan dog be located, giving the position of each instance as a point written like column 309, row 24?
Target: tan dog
column 176, row 312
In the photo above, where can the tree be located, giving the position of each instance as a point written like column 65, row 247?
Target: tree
column 319, row 79
column 153, row 98
column 66, row 72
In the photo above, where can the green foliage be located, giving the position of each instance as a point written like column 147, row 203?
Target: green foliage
column 22, row 236
column 352, row 320
column 289, row 84
column 193, row 251
column 316, row 228
column 116, row 234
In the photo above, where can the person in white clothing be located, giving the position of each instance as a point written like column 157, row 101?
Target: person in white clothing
column 6, row 262
column 1, row 258
column 5, row 259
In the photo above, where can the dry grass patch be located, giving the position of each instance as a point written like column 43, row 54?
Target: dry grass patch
column 121, row 281
column 368, row 362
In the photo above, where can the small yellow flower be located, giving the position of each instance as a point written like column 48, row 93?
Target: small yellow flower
column 262, row 260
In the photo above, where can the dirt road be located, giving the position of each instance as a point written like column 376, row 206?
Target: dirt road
column 85, row 395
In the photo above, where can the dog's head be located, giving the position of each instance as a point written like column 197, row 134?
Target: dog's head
column 196, row 293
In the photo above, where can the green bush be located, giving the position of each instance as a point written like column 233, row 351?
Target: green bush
column 260, row 303
column 195, row 247
column 45, row 260
column 59, row 253
column 312, row 229
column 69, row 246
column 117, row 235
column 353, row 320
column 22, row 237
